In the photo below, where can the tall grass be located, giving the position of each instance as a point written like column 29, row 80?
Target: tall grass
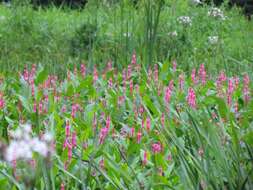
column 117, row 29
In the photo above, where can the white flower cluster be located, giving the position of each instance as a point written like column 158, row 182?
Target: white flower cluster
column 216, row 13
column 185, row 20
column 213, row 40
column 24, row 145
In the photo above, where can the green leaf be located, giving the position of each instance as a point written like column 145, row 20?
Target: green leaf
column 41, row 77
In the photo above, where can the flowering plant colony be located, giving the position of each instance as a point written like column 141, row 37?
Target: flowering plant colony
column 135, row 129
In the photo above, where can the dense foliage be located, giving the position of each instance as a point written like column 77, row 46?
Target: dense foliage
column 160, row 129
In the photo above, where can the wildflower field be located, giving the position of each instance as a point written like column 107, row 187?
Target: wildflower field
column 136, row 119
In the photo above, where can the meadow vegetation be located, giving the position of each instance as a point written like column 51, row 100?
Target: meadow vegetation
column 123, row 95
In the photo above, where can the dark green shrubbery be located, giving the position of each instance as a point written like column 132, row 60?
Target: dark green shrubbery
column 83, row 39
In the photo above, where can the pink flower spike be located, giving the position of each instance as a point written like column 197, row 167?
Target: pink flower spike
column 132, row 131
column 139, row 137
column 142, row 123
column 133, row 61
column 108, row 122
column 202, row 74
column 103, row 133
column 40, row 107
column 83, row 70
column 169, row 92
column 62, row 186
column 2, row 103
column 181, row 81
column 230, row 86
column 67, row 129
column 191, row 98
column 246, row 92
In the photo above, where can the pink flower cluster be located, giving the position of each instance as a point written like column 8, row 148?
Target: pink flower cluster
column 246, row 91
column 156, row 148
column 104, row 131
column 70, row 141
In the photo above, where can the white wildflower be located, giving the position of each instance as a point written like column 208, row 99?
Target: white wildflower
column 27, row 128
column 24, row 145
column 48, row 137
column 185, row 20
column 213, row 40
column 39, row 146
column 216, row 13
